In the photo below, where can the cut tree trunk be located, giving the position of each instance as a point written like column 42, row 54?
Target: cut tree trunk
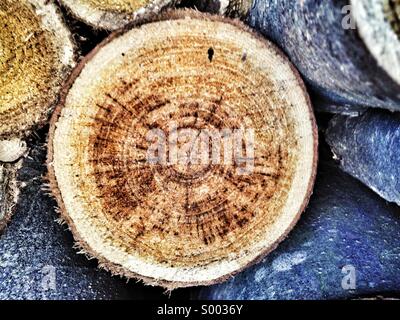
column 115, row 14
column 349, row 55
column 368, row 148
column 182, row 222
column 228, row 8
column 36, row 54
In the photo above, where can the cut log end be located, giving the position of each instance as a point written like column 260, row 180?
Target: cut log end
column 180, row 222
column 115, row 14
column 36, row 53
column 378, row 23
column 228, row 8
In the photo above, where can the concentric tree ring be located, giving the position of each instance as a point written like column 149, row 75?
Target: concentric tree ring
column 179, row 222
column 36, row 55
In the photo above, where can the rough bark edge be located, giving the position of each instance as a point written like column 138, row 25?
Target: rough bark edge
column 112, row 21
column 66, row 70
column 12, row 193
column 116, row 269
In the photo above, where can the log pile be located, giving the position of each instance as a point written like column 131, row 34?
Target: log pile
column 37, row 53
column 126, row 98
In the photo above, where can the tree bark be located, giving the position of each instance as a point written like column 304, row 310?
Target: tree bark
column 335, row 62
column 368, row 149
